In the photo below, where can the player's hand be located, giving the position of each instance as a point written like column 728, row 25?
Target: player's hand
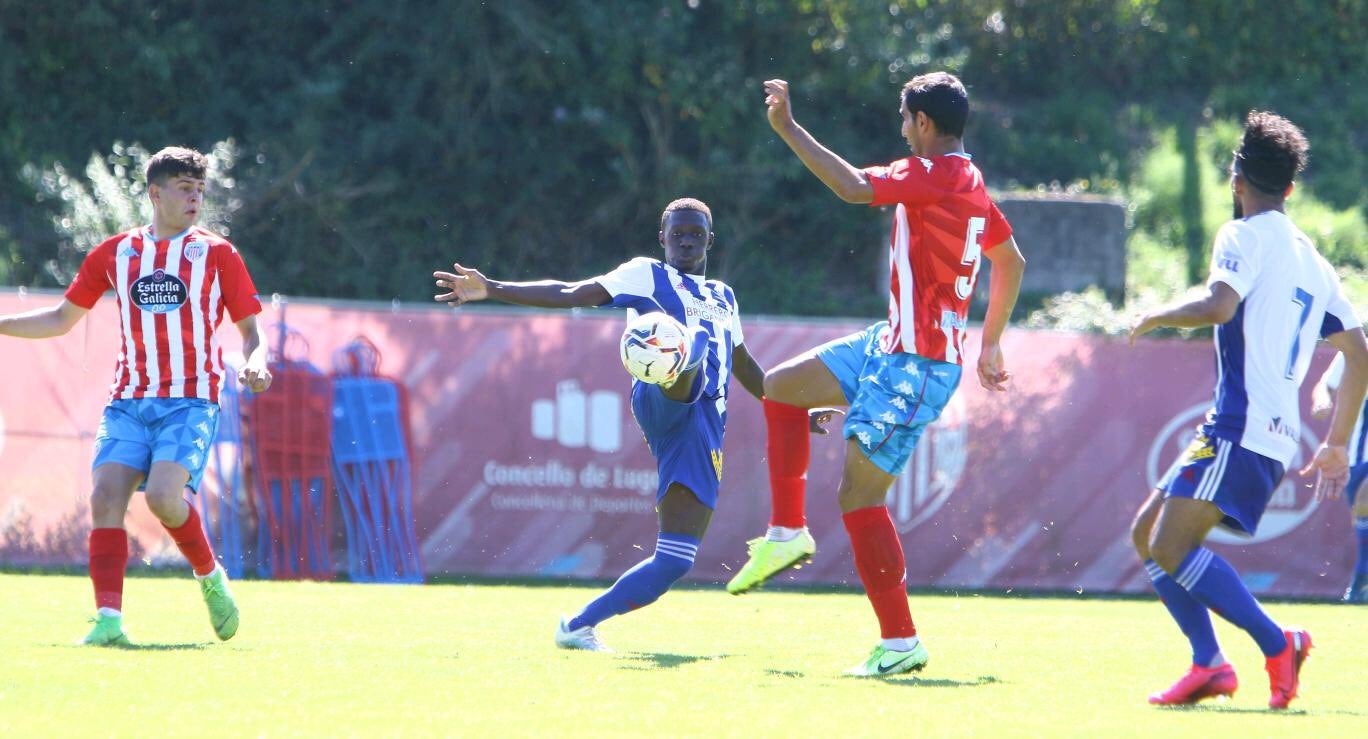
column 1331, row 465
column 777, row 99
column 256, row 378
column 819, row 417
column 1141, row 327
column 465, row 286
column 992, row 371
column 1321, row 402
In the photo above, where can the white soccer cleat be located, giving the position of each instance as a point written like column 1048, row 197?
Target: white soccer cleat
column 884, row 662
column 582, row 638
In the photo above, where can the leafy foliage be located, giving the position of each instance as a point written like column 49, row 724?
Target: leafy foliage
column 376, row 141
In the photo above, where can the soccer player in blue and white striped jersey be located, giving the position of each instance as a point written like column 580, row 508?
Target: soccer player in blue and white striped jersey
column 683, row 423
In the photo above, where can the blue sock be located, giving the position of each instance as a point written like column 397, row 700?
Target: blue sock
column 1361, row 529
column 1217, row 585
column 1192, row 617
column 644, row 583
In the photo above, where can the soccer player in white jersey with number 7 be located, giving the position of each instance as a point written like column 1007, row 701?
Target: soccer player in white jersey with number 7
column 172, row 282
column 684, row 421
column 1270, row 296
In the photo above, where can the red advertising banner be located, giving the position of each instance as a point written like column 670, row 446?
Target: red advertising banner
column 528, row 463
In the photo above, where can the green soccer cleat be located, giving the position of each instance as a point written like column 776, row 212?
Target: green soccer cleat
column 883, row 662
column 223, row 611
column 108, row 632
column 769, row 558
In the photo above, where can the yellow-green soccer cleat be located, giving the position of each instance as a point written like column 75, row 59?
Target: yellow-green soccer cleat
column 883, row 662
column 108, row 632
column 223, row 611
column 769, row 558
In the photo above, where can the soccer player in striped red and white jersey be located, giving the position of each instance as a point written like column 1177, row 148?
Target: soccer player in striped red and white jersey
column 173, row 282
column 896, row 376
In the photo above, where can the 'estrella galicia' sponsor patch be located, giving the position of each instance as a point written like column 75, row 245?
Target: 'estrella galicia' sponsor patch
column 158, row 292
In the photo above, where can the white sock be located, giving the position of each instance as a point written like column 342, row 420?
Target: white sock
column 1217, row 661
column 782, row 533
column 901, row 644
column 211, row 572
column 109, row 612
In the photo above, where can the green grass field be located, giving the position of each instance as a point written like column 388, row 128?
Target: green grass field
column 478, row 660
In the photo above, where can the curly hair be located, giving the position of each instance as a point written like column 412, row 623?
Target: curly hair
column 686, row 204
column 174, row 161
column 1272, row 152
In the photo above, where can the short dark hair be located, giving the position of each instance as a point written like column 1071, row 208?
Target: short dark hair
column 174, row 161
column 942, row 97
column 686, row 204
column 1272, row 152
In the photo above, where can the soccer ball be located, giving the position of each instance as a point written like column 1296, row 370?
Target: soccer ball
column 654, row 348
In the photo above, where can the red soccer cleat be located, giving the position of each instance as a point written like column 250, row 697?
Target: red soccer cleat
column 1284, row 670
column 1199, row 683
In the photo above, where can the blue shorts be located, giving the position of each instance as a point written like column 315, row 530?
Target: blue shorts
column 892, row 397
column 1220, row 471
column 136, row 433
column 1357, row 475
column 685, row 439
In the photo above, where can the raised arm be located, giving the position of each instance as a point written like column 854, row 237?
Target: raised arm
column 43, row 323
column 466, row 285
column 1003, row 288
column 849, row 183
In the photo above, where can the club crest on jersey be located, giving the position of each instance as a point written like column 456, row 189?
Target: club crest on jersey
column 195, row 251
column 158, row 292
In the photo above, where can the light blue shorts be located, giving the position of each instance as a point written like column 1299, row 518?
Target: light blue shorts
column 892, row 397
column 136, row 433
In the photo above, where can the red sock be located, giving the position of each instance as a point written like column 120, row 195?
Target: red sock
column 879, row 559
column 788, row 448
column 108, row 560
column 189, row 537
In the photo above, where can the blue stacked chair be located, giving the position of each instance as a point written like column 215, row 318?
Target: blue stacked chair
column 372, row 469
column 218, row 498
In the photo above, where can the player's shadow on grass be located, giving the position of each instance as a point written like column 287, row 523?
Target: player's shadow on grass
column 1299, row 712
column 914, row 681
column 664, row 660
column 182, row 647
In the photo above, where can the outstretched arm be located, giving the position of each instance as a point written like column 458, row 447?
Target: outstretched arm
column 466, row 285
column 1214, row 308
column 849, row 184
column 1003, row 288
column 44, row 322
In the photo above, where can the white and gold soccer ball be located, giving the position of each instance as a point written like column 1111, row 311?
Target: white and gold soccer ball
column 654, row 348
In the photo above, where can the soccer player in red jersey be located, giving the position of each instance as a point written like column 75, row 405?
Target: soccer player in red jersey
column 896, row 376
column 172, row 282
